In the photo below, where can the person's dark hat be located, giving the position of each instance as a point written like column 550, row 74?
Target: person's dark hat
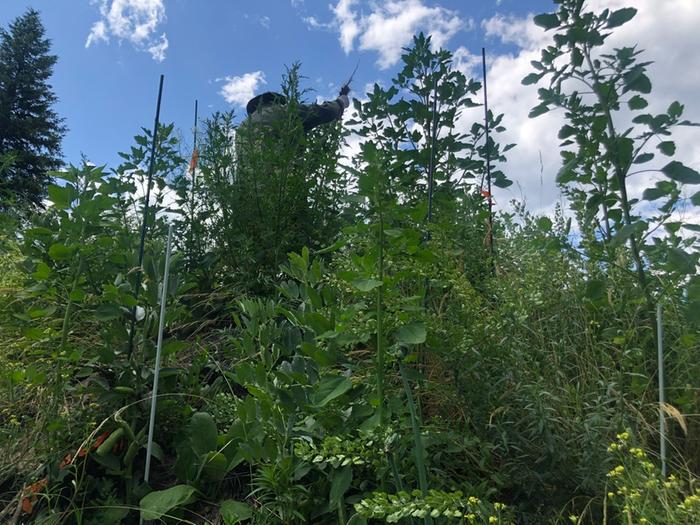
column 265, row 99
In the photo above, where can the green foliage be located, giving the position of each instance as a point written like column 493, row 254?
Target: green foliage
column 30, row 130
column 638, row 493
column 444, row 506
column 345, row 349
column 599, row 156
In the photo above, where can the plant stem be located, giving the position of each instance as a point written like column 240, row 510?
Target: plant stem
column 620, row 174
column 380, row 316
column 69, row 305
column 418, row 441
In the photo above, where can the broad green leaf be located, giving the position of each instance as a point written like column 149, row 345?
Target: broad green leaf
column 366, row 285
column 627, row 231
column 411, row 334
column 160, row 502
column 621, row 16
column 36, row 313
column 636, row 80
column 339, row 485
column 566, row 131
column 42, row 271
column 107, row 312
column 544, row 224
column 675, row 109
column 330, row 388
column 61, row 196
column 215, row 466
column 643, row 157
column 547, row 20
column 661, row 189
column 637, row 102
column 59, row 252
column 77, row 295
column 680, row 261
column 667, row 147
column 501, row 181
column 532, row 78
column 695, row 199
column 173, row 347
column 233, row 512
column 566, row 173
column 595, row 289
column 679, row 172
column 203, row 433
column 394, row 233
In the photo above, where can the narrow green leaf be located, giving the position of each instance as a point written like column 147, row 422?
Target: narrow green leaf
column 339, row 485
column 538, row 110
column 357, row 519
column 695, row 199
column 681, row 173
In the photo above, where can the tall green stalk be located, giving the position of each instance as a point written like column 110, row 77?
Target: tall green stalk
column 417, row 439
column 380, row 315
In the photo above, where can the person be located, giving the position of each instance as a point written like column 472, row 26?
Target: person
column 265, row 109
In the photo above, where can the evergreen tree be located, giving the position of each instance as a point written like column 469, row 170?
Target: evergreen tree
column 30, row 130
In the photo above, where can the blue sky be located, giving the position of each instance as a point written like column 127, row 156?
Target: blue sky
column 111, row 53
column 108, row 90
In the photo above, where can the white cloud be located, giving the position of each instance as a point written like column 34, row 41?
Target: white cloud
column 667, row 31
column 389, row 26
column 314, row 23
column 135, row 21
column 265, row 21
column 158, row 49
column 239, row 90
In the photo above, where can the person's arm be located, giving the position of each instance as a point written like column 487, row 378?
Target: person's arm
column 313, row 115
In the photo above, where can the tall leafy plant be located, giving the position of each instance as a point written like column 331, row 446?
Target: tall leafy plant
column 608, row 141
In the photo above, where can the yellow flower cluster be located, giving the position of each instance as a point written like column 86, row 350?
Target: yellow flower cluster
column 617, row 471
column 691, row 502
column 638, row 453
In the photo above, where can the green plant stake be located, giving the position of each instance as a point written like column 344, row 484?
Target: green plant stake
column 159, row 347
column 144, row 226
